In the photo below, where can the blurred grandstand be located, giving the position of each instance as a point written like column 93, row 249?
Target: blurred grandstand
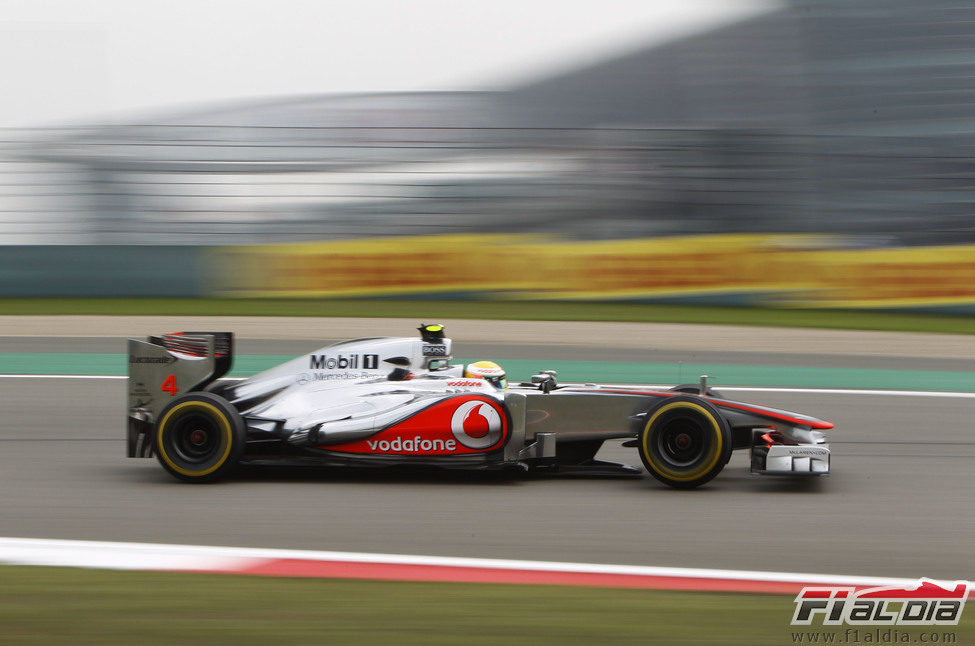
column 824, row 116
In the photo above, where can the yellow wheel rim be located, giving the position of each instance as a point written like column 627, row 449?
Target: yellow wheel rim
column 710, row 461
column 222, row 422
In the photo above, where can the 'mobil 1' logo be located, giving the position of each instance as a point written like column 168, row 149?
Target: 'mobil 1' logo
column 476, row 424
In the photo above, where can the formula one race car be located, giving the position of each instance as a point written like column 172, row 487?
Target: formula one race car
column 399, row 401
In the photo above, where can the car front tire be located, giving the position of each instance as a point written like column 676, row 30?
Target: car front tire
column 685, row 442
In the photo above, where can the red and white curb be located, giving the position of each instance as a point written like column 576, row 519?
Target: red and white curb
column 395, row 567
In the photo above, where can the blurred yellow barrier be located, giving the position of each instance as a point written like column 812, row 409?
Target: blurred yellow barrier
column 443, row 264
column 517, row 266
column 899, row 277
column 788, row 270
column 743, row 266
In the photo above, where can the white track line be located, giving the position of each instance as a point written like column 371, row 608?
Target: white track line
column 63, row 377
column 823, row 391
column 153, row 556
column 850, row 391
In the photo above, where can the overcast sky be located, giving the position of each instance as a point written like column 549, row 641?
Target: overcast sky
column 68, row 61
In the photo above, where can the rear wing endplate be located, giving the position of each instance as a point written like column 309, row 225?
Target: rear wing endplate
column 163, row 367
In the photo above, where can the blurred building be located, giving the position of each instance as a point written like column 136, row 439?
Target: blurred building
column 822, row 116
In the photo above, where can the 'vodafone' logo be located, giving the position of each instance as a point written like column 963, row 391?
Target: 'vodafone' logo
column 476, row 425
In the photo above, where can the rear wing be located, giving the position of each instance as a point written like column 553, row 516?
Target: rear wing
column 164, row 367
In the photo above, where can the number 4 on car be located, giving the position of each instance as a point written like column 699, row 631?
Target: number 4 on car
column 169, row 385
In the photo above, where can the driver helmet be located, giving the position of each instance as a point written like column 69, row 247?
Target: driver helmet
column 488, row 371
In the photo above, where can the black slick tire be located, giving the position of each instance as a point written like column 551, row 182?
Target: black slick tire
column 684, row 441
column 199, row 437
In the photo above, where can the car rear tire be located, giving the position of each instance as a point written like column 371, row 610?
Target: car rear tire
column 684, row 442
column 199, row 437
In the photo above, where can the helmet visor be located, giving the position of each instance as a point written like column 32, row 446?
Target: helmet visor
column 500, row 382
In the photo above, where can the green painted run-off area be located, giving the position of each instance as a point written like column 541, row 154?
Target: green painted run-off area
column 569, row 371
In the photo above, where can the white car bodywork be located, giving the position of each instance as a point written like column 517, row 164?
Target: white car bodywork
column 381, row 401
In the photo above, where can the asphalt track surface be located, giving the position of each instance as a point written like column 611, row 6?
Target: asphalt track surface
column 899, row 501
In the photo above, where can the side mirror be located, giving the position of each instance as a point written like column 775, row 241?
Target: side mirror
column 400, row 374
column 545, row 380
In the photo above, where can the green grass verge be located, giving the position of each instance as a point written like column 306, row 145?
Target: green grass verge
column 516, row 310
column 74, row 606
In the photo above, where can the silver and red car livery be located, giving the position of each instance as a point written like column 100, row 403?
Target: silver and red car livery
column 398, row 400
